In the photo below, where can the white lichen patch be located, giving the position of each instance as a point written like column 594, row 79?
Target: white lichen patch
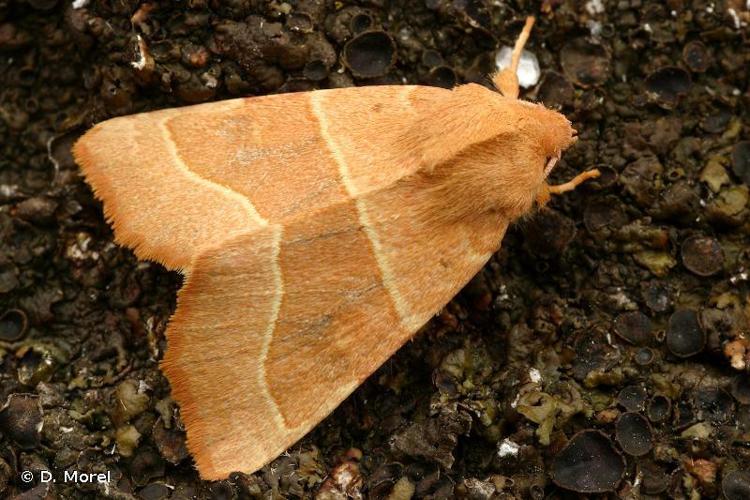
column 528, row 67
column 594, row 7
column 508, row 449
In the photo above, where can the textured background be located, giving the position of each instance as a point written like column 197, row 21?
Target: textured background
column 629, row 296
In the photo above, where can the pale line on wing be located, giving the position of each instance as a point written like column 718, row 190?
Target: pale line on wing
column 215, row 186
column 389, row 282
column 273, row 320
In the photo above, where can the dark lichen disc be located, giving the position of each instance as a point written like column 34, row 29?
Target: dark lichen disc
column 659, row 408
column 635, row 327
column 632, row 397
column 555, row 90
column 702, row 255
column 549, row 232
column 685, row 336
column 603, row 213
column 585, row 63
column 13, row 325
column 668, row 85
column 714, row 404
column 370, row 54
column 644, row 356
column 361, row 22
column 589, row 463
column 315, row 70
column 657, row 296
column 21, row 420
column 696, row 57
column 442, row 76
column 736, row 485
column 634, row 434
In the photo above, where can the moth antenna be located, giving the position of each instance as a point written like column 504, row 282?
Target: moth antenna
column 547, row 190
column 515, row 57
column 506, row 81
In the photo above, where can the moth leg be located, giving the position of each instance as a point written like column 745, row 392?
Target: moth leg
column 506, row 81
column 544, row 195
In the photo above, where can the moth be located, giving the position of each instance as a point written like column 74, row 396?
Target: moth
column 317, row 232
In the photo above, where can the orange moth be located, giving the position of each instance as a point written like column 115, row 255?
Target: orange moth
column 318, row 231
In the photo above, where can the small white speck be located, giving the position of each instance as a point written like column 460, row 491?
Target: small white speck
column 622, row 300
column 710, row 9
column 735, row 18
column 535, row 375
column 595, row 27
column 405, row 35
column 637, row 481
column 739, row 277
column 673, row 13
column 702, row 202
column 736, row 92
column 515, row 401
column 594, row 7
column 647, row 28
column 79, row 249
column 9, row 190
column 528, row 67
column 141, row 62
column 507, row 449
column 210, row 80
column 79, row 4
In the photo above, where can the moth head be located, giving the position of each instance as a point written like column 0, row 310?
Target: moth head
column 529, row 143
column 551, row 132
column 501, row 156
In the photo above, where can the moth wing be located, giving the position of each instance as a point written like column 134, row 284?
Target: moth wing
column 157, row 205
column 276, row 327
column 176, row 179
